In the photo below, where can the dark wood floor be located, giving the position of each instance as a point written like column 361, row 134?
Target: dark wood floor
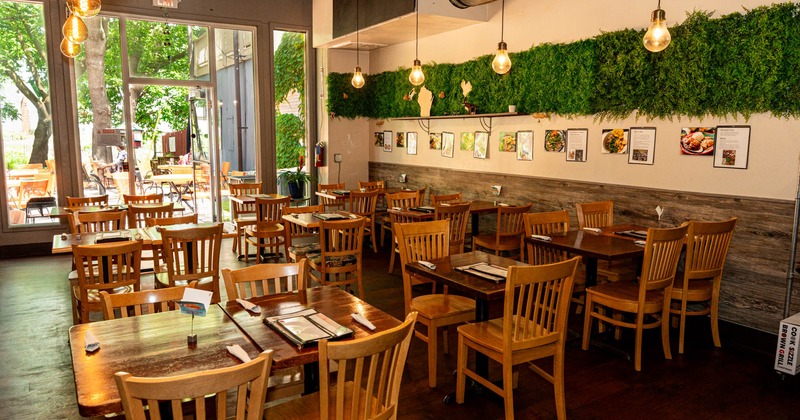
column 736, row 381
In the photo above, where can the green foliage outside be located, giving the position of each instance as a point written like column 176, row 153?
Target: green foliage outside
column 289, row 78
column 739, row 64
column 290, row 131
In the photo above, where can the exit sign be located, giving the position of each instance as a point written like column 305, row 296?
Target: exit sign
column 171, row 4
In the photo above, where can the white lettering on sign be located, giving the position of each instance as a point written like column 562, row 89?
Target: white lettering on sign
column 782, row 344
column 171, row 4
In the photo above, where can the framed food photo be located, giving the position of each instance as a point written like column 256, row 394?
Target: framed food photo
column 448, row 144
column 697, row 141
column 524, row 145
column 467, row 141
column 387, row 141
column 411, row 142
column 400, row 139
column 378, row 139
column 435, row 141
column 732, row 148
column 554, row 140
column 481, row 144
column 615, row 141
column 508, row 142
column 577, row 140
column 642, row 145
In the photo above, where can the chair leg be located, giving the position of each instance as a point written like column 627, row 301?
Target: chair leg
column 558, row 383
column 391, row 259
column 508, row 390
column 665, row 331
column 715, row 316
column 587, row 322
column 461, row 377
column 445, row 333
column 637, row 357
column 374, row 241
column 247, row 250
column 432, row 349
column 682, row 324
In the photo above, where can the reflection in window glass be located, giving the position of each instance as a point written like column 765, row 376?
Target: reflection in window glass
column 27, row 132
column 163, row 50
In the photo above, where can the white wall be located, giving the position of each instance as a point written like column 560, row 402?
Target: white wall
column 774, row 150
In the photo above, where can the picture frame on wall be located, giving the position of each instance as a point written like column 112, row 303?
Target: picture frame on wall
column 400, row 139
column 508, row 141
column 732, row 147
column 577, row 140
column 467, row 141
column 378, row 139
column 435, row 141
column 387, row 141
column 524, row 145
column 448, row 144
column 641, row 145
column 481, row 144
column 411, row 142
column 615, row 141
column 554, row 140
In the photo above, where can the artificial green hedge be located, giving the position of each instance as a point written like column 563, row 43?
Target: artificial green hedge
column 739, row 64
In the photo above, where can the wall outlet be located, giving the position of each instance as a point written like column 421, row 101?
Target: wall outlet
column 337, row 157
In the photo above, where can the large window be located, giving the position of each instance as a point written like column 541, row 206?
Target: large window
column 27, row 142
column 290, row 104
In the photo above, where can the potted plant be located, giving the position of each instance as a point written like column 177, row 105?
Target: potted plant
column 296, row 180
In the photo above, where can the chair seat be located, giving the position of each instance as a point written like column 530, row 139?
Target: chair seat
column 338, row 261
column 307, row 407
column 489, row 335
column 162, row 280
column 304, row 249
column 245, row 219
column 440, row 306
column 698, row 290
column 265, row 229
column 623, row 296
column 507, row 243
column 94, row 294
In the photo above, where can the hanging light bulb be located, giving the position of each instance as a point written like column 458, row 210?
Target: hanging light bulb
column 502, row 62
column 358, row 79
column 84, row 8
column 417, row 77
column 657, row 37
column 70, row 49
column 75, row 30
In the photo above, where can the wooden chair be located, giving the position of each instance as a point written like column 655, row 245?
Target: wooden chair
column 243, row 214
column 123, row 305
column 370, row 391
column 427, row 241
column 111, row 267
column 340, row 258
column 401, row 200
column 458, row 215
column 191, row 254
column 101, row 200
column 31, row 188
column 171, row 220
column 363, row 204
column 264, row 280
column 138, row 214
column 142, row 199
column 248, row 379
column 268, row 232
column 446, row 198
column 302, row 240
column 598, row 215
column 330, row 204
column 508, row 235
column 121, row 184
column 533, row 326
column 97, row 221
column 372, row 185
column 547, row 223
column 699, row 284
column 223, row 174
column 650, row 296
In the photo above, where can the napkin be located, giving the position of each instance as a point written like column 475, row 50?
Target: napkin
column 250, row 306
column 503, row 204
column 640, row 243
column 595, row 230
column 91, row 343
column 541, row 237
column 428, row 265
column 363, row 321
column 397, row 208
column 239, row 352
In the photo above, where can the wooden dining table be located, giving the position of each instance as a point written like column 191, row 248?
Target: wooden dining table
column 156, row 344
column 476, row 209
column 309, row 221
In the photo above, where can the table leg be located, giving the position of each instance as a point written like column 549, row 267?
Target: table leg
column 475, row 220
column 311, row 378
column 591, row 271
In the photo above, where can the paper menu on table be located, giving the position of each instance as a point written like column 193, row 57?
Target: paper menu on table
column 191, row 298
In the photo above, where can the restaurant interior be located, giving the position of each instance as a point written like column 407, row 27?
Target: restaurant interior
column 575, row 190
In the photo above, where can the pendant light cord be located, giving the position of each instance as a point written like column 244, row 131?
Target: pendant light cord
column 416, row 44
column 503, row 18
column 357, row 47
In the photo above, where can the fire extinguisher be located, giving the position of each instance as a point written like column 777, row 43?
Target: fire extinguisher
column 319, row 152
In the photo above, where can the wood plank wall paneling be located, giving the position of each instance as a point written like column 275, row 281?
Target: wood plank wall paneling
column 754, row 282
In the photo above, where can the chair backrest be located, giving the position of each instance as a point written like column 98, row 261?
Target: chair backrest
column 123, row 305
column 224, row 169
column 537, row 304
column 372, row 185
column 239, row 209
column 379, row 360
column 331, row 203
column 340, row 240
column 33, row 166
column 264, row 279
column 248, row 379
column 510, row 220
column 172, row 220
column 421, row 196
column 101, row 200
column 121, row 183
column 297, row 231
column 423, row 241
column 329, row 187
column 363, row 203
column 446, row 198
column 458, row 215
column 270, row 209
column 545, row 223
column 97, row 221
column 142, row 199
column 707, row 247
column 107, row 266
column 403, row 199
column 192, row 254
column 138, row 213
column 661, row 254
column 31, row 188
column 595, row 215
